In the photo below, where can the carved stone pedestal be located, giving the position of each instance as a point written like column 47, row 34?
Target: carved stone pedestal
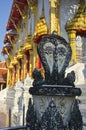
column 54, row 105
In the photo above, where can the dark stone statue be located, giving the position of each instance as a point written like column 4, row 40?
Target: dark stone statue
column 55, row 54
column 56, row 90
column 38, row 78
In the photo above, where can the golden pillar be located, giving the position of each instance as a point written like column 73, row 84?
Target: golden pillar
column 8, row 71
column 57, row 17
column 17, row 71
column 18, row 59
column 11, row 77
column 14, row 79
column 31, row 63
column 27, row 61
column 72, row 41
column 22, row 70
column 8, row 77
column 24, row 67
column 14, row 71
column 14, row 64
column 28, row 55
column 54, row 17
column 17, row 74
column 19, row 68
column 34, row 55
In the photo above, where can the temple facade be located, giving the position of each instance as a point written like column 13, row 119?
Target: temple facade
column 29, row 21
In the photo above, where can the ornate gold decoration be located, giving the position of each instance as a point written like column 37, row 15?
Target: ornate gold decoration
column 10, row 66
column 32, row 2
column 7, row 61
column 8, row 36
column 72, row 41
column 41, row 29
column 78, row 23
column 54, row 19
column 27, row 44
column 9, row 55
column 31, row 63
column 14, row 61
column 20, row 54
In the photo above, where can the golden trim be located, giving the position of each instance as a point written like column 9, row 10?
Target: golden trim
column 10, row 39
column 20, row 53
column 79, row 20
column 14, row 61
column 28, row 43
column 41, row 28
column 10, row 66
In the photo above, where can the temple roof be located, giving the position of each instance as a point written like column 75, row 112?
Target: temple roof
column 78, row 23
column 9, row 37
column 6, row 47
column 15, row 14
column 41, row 30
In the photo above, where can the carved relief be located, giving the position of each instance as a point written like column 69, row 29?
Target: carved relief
column 52, row 119
column 55, row 55
column 54, row 94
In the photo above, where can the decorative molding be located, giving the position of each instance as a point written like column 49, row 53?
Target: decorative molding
column 52, row 119
column 75, row 122
column 61, row 112
column 55, row 90
column 55, row 54
column 31, row 118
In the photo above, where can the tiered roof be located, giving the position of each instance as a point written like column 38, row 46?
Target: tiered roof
column 78, row 23
column 13, row 21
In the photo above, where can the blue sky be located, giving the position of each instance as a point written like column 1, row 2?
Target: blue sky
column 5, row 8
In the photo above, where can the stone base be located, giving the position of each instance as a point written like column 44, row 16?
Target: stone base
column 54, row 107
column 58, row 90
column 63, row 104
